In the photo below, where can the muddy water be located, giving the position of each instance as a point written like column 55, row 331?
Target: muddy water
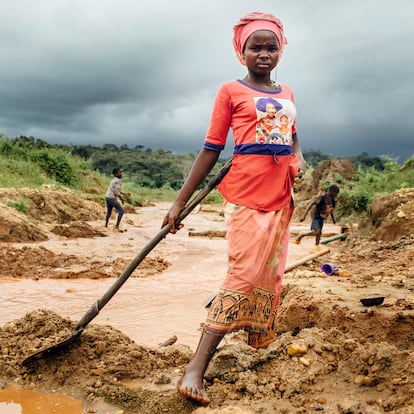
column 17, row 401
column 148, row 310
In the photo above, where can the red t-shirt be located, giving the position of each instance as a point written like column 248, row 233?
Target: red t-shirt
column 264, row 128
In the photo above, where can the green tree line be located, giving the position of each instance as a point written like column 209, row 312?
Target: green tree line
column 145, row 167
column 27, row 161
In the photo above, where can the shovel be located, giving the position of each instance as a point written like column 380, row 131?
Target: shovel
column 101, row 302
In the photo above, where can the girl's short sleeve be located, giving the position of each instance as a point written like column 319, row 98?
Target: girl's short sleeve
column 220, row 121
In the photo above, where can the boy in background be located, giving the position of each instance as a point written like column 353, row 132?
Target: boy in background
column 113, row 193
column 322, row 207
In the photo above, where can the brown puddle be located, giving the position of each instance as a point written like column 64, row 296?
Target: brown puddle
column 14, row 400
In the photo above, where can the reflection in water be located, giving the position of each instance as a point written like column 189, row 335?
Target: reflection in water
column 14, row 400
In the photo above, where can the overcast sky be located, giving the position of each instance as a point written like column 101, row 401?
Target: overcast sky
column 145, row 72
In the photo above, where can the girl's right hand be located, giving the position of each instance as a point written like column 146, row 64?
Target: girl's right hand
column 201, row 167
column 171, row 217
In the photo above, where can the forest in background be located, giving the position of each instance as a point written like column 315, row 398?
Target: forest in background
column 158, row 174
column 146, row 167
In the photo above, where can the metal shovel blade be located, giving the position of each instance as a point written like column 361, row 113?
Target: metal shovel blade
column 51, row 350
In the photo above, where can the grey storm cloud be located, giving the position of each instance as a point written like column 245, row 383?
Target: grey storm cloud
column 146, row 73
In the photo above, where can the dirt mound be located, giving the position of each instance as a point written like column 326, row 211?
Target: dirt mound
column 32, row 262
column 295, row 374
column 76, row 230
column 39, row 262
column 26, row 211
column 15, row 227
column 371, row 263
column 280, row 377
column 329, row 171
column 393, row 322
column 332, row 171
column 96, row 364
column 53, row 205
column 393, row 215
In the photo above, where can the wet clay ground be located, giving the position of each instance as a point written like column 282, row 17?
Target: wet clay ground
column 70, row 274
column 331, row 354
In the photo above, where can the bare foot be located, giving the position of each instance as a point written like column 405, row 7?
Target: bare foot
column 190, row 386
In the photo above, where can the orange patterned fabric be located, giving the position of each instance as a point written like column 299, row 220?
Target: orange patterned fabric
column 257, row 250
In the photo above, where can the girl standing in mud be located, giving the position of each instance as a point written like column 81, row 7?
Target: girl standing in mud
column 257, row 197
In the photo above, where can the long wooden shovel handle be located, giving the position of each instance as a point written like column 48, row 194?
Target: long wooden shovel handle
column 100, row 303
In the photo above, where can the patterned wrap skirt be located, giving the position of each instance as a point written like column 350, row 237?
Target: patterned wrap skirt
column 257, row 251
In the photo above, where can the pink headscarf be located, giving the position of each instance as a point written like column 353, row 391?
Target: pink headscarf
column 253, row 22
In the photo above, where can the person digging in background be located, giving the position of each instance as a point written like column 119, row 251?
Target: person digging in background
column 322, row 207
column 257, row 194
column 112, row 195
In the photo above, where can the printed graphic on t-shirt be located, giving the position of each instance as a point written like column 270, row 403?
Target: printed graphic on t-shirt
column 274, row 120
